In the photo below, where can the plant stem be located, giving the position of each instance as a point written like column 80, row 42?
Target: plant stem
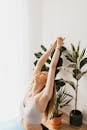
column 76, row 95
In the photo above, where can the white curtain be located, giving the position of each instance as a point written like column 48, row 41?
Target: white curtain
column 20, row 34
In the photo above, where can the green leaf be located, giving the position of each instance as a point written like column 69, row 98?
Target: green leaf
column 63, row 48
column 78, row 48
column 60, row 62
column 72, row 65
column 45, row 68
column 35, row 62
column 75, row 52
column 52, row 54
column 66, row 103
column 57, row 71
column 73, row 48
column 54, row 114
column 59, row 83
column 79, row 76
column 70, row 58
column 43, row 48
column 57, row 88
column 75, row 56
column 67, row 94
column 82, row 54
column 76, row 72
column 70, row 83
column 83, row 62
column 84, row 72
column 63, row 97
column 38, row 55
column 48, row 61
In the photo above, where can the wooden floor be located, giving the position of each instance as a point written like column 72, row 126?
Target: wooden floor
column 65, row 125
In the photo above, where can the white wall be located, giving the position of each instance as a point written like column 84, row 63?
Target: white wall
column 20, row 33
column 67, row 18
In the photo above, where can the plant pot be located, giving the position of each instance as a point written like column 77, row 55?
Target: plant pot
column 55, row 122
column 76, row 118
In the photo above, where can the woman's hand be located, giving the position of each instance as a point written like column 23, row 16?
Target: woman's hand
column 60, row 41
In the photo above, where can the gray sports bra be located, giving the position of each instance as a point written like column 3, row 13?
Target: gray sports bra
column 30, row 113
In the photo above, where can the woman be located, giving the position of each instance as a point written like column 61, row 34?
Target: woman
column 40, row 90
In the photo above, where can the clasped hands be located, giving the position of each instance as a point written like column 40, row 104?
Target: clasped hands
column 59, row 42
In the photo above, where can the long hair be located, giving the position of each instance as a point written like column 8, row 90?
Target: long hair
column 50, row 105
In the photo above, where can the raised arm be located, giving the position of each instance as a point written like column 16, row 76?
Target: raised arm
column 51, row 74
column 47, row 92
column 44, row 58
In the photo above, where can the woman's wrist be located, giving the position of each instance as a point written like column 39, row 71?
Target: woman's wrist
column 58, row 46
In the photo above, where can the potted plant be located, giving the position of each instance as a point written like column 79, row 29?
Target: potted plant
column 77, row 62
column 62, row 97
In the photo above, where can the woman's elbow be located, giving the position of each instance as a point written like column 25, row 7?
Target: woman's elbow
column 48, row 96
